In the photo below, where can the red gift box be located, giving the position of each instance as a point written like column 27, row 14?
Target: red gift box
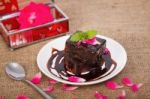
column 16, row 37
column 8, row 6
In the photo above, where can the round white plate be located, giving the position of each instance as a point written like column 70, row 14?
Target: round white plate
column 118, row 54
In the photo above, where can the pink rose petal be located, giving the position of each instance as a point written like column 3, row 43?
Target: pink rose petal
column 76, row 79
column 91, row 41
column 22, row 97
column 49, row 89
column 135, row 87
column 74, row 98
column 78, row 44
column 69, row 87
column 112, row 85
column 1, row 97
column 122, row 95
column 51, row 81
column 126, row 81
column 37, row 78
column 99, row 95
column 106, row 51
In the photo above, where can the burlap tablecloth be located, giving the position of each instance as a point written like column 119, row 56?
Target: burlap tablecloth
column 126, row 21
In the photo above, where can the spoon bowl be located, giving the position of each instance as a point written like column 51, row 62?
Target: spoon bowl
column 15, row 71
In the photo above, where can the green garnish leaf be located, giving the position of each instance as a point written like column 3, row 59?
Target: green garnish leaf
column 80, row 36
column 76, row 36
column 91, row 34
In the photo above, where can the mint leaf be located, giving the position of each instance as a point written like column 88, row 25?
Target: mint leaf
column 91, row 34
column 76, row 37
column 80, row 36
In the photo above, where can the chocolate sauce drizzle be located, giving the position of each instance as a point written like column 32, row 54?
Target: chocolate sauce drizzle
column 96, row 73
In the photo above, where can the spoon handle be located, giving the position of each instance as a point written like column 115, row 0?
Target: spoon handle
column 46, row 96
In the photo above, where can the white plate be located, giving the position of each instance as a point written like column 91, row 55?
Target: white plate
column 118, row 54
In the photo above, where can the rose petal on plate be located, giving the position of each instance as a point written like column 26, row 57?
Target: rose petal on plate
column 36, row 79
column 127, row 81
column 99, row 95
column 49, row 89
column 122, row 95
column 136, row 87
column 91, row 41
column 76, row 79
column 51, row 81
column 69, row 87
column 106, row 51
column 22, row 97
column 112, row 85
column 78, row 44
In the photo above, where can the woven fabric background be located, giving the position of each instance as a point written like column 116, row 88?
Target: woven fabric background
column 126, row 21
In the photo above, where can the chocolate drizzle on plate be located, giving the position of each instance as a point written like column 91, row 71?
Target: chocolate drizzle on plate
column 56, row 65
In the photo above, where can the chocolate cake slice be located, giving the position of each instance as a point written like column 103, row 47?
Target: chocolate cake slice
column 85, row 56
column 84, row 59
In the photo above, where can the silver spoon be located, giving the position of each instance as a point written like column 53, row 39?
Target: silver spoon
column 16, row 71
